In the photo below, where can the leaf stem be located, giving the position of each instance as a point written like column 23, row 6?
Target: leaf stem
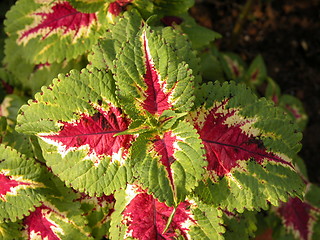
column 170, row 220
column 240, row 22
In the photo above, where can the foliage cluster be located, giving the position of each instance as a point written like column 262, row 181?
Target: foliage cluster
column 122, row 120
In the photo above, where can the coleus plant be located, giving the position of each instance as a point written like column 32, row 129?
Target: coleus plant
column 135, row 145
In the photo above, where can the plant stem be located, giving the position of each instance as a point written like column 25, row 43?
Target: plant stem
column 237, row 29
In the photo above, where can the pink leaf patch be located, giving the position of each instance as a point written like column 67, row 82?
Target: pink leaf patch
column 165, row 148
column 298, row 216
column 115, row 8
column 61, row 17
column 156, row 100
column 95, row 131
column 37, row 223
column 225, row 144
column 146, row 218
column 7, row 185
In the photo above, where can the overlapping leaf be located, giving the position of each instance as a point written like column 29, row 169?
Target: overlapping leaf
column 301, row 218
column 124, row 30
column 22, row 184
column 11, row 230
column 175, row 157
column 98, row 212
column 150, row 80
column 144, row 217
column 76, row 118
column 51, row 31
column 249, row 148
column 48, row 222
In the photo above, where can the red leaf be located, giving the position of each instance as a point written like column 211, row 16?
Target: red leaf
column 96, row 132
column 62, row 16
column 115, row 8
column 38, row 224
column 156, row 99
column 7, row 185
column 294, row 111
column 146, row 218
column 165, row 148
column 226, row 144
column 298, row 216
column 171, row 20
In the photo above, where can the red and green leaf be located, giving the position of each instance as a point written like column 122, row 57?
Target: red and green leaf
column 76, row 119
column 242, row 138
column 48, row 222
column 299, row 217
column 143, row 217
column 153, row 81
column 51, row 31
column 233, row 66
column 294, row 107
column 98, row 212
column 175, row 157
column 257, row 72
column 22, row 184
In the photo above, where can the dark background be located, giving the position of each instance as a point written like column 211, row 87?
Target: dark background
column 287, row 35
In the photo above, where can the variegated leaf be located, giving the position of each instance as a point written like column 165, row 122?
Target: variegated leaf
column 50, row 31
column 294, row 107
column 233, row 66
column 141, row 216
column 175, row 156
column 301, row 218
column 98, row 211
column 150, row 80
column 22, row 184
column 49, row 222
column 249, row 147
column 76, row 119
column 257, row 72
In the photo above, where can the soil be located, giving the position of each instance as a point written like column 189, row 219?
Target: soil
column 287, row 34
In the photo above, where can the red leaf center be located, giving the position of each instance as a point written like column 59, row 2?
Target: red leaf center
column 61, row 16
column 156, row 100
column 148, row 217
column 38, row 224
column 95, row 131
column 7, row 185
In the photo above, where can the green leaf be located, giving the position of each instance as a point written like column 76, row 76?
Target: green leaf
column 10, row 106
column 198, row 35
column 32, row 76
column 125, row 29
column 257, row 72
column 162, row 7
column 182, row 46
column 294, row 107
column 273, row 91
column 240, row 226
column 88, row 6
column 76, row 118
column 11, row 230
column 211, row 68
column 233, row 66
